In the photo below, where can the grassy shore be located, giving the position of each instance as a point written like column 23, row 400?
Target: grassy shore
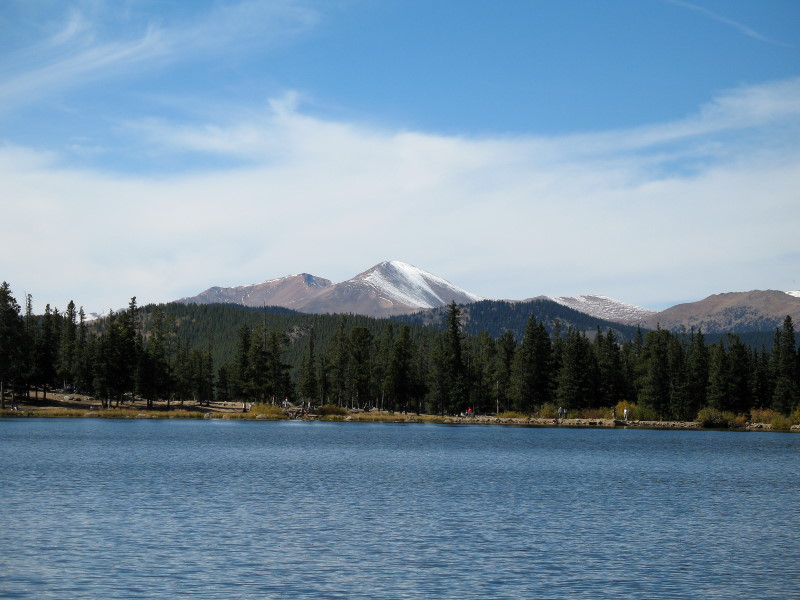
column 76, row 406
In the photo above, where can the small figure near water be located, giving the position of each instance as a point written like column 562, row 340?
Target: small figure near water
column 625, row 414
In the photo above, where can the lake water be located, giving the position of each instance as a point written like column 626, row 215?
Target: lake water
column 96, row 508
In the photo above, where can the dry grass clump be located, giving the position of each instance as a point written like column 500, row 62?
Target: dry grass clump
column 331, row 410
column 380, row 417
column 511, row 414
column 716, row 419
column 774, row 418
column 108, row 413
column 267, row 411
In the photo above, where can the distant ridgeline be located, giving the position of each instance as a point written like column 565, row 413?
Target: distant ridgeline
column 498, row 316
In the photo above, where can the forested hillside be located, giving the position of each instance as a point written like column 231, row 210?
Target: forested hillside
column 224, row 352
column 498, row 316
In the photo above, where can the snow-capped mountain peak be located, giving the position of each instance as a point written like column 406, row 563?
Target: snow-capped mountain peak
column 796, row 294
column 406, row 284
column 605, row 308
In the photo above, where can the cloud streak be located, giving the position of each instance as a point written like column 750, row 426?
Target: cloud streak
column 504, row 217
column 748, row 31
column 87, row 47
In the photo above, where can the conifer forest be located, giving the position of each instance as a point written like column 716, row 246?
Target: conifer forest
column 214, row 353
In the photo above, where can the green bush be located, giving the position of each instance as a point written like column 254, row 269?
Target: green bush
column 548, row 411
column 784, row 423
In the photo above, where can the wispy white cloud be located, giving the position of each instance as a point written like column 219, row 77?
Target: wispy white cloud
column 748, row 31
column 504, row 217
column 90, row 47
column 79, row 66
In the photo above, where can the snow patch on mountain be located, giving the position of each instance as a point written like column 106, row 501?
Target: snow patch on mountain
column 796, row 294
column 409, row 285
column 603, row 307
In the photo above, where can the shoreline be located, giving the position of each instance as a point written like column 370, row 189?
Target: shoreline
column 75, row 406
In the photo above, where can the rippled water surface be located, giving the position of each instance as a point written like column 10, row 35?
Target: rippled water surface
column 220, row 509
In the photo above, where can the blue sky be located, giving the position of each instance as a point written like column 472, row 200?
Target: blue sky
column 648, row 150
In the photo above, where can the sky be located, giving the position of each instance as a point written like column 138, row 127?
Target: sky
column 647, row 150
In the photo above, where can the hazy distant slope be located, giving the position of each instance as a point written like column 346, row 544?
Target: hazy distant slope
column 757, row 310
column 497, row 316
column 606, row 308
column 289, row 292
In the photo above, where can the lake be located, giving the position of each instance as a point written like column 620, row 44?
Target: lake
column 100, row 508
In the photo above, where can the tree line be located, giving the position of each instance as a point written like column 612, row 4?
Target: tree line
column 357, row 362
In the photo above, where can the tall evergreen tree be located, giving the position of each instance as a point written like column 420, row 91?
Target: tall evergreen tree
column 455, row 369
column 532, row 368
column 785, row 369
column 309, row 384
column 577, row 375
column 360, row 362
column 67, row 347
column 696, row 373
column 657, row 378
column 506, row 349
column 11, row 334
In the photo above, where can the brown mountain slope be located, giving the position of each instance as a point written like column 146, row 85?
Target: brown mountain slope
column 757, row 310
column 291, row 292
column 387, row 289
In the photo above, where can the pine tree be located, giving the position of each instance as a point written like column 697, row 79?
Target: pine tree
column 506, row 349
column 455, row 369
column 696, row 373
column 11, row 334
column 656, row 375
column 532, row 368
column 400, row 374
column 786, row 394
column 66, row 352
column 338, row 365
column 309, row 384
column 577, row 375
column 717, row 396
column 611, row 381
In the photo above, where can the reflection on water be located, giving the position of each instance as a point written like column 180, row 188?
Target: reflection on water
column 220, row 509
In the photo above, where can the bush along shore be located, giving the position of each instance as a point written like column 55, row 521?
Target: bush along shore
column 78, row 406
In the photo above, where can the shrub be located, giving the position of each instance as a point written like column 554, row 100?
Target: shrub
column 329, row 410
column 738, row 421
column 633, row 410
column 795, row 417
column 764, row 415
column 594, row 413
column 782, row 423
column 548, row 411
column 716, row 419
column 270, row 411
column 510, row 414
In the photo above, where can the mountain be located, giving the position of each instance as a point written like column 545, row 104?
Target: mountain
column 732, row 312
column 289, row 292
column 495, row 317
column 387, row 289
column 394, row 288
column 608, row 309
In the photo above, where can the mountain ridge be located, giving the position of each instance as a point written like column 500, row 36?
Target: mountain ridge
column 387, row 289
column 393, row 288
